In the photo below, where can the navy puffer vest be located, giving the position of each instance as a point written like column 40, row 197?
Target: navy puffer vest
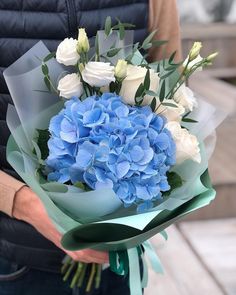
column 22, row 24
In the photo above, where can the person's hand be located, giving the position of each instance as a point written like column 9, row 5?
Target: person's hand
column 29, row 208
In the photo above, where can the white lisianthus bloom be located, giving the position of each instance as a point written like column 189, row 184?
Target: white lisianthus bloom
column 185, row 97
column 67, row 52
column 193, row 63
column 187, row 145
column 83, row 42
column 70, row 86
column 171, row 113
column 136, row 76
column 121, row 69
column 98, row 74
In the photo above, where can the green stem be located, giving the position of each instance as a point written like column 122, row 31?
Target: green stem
column 98, row 276
column 66, row 264
column 77, row 274
column 91, row 277
column 66, row 276
column 82, row 275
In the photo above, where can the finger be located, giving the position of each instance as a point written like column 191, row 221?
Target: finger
column 87, row 256
column 98, row 255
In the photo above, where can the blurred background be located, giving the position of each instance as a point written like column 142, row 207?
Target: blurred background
column 200, row 256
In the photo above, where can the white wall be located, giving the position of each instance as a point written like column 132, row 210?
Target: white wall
column 206, row 11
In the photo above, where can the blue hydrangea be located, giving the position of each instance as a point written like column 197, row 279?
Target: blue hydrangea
column 105, row 143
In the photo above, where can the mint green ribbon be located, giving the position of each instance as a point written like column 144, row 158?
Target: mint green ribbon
column 134, row 272
column 119, row 262
column 154, row 259
column 127, row 262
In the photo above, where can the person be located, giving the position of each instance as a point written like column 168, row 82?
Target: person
column 30, row 249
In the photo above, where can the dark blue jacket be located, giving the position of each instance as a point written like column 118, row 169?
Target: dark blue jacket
column 22, row 24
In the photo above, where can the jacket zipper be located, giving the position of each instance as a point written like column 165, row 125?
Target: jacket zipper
column 72, row 18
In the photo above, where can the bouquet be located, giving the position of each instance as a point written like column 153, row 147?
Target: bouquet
column 116, row 148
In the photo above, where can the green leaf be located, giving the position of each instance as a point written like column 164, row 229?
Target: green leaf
column 147, row 46
column 45, row 69
column 171, row 59
column 125, row 25
column 49, row 56
column 108, row 27
column 113, row 87
column 168, row 104
column 186, row 115
column 188, row 120
column 47, row 83
column 138, row 101
column 153, row 104
column 174, row 180
column 113, row 52
column 149, row 38
column 140, row 91
column 167, row 74
column 122, row 32
column 147, row 80
column 43, row 138
column 158, row 43
column 162, row 91
column 80, row 185
column 151, row 93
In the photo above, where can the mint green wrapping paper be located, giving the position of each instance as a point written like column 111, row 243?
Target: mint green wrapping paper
column 94, row 219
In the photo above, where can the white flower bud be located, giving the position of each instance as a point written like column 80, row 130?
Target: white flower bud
column 121, row 69
column 195, row 51
column 83, row 42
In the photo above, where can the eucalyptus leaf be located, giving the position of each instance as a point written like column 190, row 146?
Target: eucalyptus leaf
column 168, row 104
column 113, row 52
column 108, row 25
column 147, row 80
column 151, row 93
column 138, row 101
column 153, row 104
column 43, row 138
column 172, row 57
column 47, row 82
column 188, row 120
column 45, row 69
column 122, row 32
column 158, row 43
column 149, row 38
column 162, row 91
column 140, row 91
column 49, row 56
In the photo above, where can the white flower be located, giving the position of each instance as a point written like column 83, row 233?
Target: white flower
column 187, row 145
column 136, row 76
column 67, row 53
column 98, row 74
column 171, row 113
column 83, row 42
column 193, row 63
column 121, row 69
column 70, row 86
column 185, row 97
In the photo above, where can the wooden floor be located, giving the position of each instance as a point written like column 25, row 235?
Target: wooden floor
column 199, row 259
